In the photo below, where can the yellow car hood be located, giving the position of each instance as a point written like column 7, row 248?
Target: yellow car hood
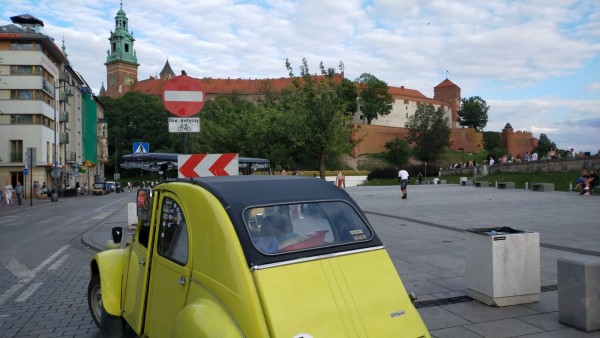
column 354, row 295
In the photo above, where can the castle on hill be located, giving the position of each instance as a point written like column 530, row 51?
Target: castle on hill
column 122, row 77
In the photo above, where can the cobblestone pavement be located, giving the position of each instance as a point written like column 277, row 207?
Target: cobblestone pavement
column 52, row 303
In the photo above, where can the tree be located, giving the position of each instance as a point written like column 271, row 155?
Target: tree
column 136, row 117
column 473, row 113
column 374, row 98
column 398, row 152
column 491, row 140
column 544, row 145
column 319, row 113
column 428, row 130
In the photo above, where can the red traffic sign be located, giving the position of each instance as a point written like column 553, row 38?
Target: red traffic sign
column 202, row 165
column 183, row 96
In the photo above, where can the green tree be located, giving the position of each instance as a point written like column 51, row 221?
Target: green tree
column 398, row 152
column 473, row 113
column 374, row 98
column 318, row 112
column 491, row 140
column 429, row 132
column 136, row 117
column 544, row 145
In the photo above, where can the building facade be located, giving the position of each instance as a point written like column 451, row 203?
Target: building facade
column 41, row 108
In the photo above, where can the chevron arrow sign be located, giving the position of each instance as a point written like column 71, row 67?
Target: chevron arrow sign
column 203, row 165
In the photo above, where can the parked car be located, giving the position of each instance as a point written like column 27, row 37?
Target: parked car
column 99, row 188
column 250, row 256
column 110, row 186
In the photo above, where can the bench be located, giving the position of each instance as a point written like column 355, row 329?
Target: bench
column 542, row 186
column 482, row 184
column 506, row 185
column 578, row 292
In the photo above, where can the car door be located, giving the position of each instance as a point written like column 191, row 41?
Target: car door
column 170, row 272
column 136, row 277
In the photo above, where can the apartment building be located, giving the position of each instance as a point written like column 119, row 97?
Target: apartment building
column 42, row 108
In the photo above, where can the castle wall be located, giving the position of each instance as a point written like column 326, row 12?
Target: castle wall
column 375, row 137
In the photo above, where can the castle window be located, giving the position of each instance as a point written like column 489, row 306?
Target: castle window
column 126, row 48
column 114, row 47
column 362, row 117
column 405, row 101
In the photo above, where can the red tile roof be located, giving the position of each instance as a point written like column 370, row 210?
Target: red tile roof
column 445, row 83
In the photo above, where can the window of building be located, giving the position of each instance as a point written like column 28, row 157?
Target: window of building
column 16, row 150
column 405, row 101
column 126, row 48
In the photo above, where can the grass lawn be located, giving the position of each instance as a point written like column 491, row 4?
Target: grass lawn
column 561, row 180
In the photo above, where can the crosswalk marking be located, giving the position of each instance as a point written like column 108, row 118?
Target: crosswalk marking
column 58, row 262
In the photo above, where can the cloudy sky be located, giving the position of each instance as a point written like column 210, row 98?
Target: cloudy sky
column 536, row 62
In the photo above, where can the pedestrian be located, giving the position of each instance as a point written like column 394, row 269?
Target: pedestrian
column 403, row 178
column 1, row 195
column 19, row 191
column 8, row 191
column 420, row 178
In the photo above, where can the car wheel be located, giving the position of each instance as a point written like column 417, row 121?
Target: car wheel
column 95, row 299
column 110, row 326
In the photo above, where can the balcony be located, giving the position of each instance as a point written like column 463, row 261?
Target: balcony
column 64, row 138
column 71, row 156
column 64, row 117
column 65, row 94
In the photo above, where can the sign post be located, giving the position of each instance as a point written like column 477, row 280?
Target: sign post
column 183, row 96
column 31, row 158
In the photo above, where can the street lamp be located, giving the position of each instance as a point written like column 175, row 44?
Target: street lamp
column 55, row 171
column 54, row 196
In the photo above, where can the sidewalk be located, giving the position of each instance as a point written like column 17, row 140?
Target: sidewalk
column 425, row 238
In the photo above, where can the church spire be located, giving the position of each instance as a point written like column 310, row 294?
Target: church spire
column 121, row 40
column 63, row 48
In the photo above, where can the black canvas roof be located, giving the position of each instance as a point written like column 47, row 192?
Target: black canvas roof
column 237, row 193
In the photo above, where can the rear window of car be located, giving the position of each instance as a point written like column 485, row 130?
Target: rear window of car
column 99, row 185
column 279, row 229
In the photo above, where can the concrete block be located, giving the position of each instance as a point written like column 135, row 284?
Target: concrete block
column 482, row 184
column 579, row 292
column 503, row 269
column 506, row 185
column 132, row 218
column 544, row 187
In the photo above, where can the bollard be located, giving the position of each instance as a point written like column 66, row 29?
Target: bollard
column 526, row 185
column 570, row 186
column 496, row 184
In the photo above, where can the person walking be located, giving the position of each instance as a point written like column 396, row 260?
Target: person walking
column 403, row 178
column 8, row 191
column 19, row 189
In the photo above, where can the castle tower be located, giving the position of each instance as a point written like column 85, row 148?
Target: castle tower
column 449, row 92
column 121, row 60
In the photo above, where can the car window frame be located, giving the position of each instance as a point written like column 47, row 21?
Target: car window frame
column 168, row 198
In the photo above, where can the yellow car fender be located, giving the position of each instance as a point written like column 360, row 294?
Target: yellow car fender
column 109, row 264
column 206, row 319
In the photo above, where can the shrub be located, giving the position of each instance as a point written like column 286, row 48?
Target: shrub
column 383, row 173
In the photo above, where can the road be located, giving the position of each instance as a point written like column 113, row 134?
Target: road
column 44, row 266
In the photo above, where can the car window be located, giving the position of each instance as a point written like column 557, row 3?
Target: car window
column 173, row 237
column 285, row 228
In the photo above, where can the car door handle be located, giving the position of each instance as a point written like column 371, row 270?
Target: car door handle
column 181, row 280
column 142, row 262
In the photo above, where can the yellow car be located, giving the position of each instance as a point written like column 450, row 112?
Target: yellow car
column 250, row 256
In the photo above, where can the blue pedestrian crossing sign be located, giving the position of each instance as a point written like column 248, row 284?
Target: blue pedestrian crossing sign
column 141, row 147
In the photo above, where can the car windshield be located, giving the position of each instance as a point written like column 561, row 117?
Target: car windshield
column 98, row 185
column 279, row 229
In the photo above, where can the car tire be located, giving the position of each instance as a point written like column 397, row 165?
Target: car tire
column 110, row 326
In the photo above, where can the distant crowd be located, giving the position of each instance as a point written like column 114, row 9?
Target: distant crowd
column 529, row 156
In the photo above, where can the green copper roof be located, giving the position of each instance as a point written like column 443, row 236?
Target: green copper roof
column 121, row 41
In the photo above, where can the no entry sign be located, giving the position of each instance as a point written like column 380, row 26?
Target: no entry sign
column 183, row 96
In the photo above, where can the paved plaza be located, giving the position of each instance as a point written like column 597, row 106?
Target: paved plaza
column 425, row 237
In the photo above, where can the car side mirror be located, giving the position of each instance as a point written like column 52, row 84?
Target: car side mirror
column 117, row 234
column 144, row 203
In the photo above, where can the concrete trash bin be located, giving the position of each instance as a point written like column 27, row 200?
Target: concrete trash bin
column 503, row 266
